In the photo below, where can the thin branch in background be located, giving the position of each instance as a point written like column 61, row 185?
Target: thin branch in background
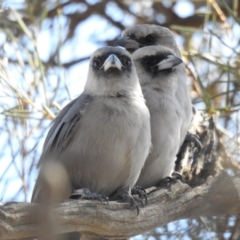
column 220, row 13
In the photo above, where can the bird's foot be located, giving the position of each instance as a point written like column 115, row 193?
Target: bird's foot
column 141, row 192
column 125, row 194
column 192, row 138
column 177, row 176
column 84, row 193
column 167, row 181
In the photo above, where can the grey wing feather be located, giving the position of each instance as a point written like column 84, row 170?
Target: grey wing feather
column 63, row 125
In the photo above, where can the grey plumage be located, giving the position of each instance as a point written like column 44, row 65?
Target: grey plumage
column 144, row 35
column 101, row 138
column 158, row 71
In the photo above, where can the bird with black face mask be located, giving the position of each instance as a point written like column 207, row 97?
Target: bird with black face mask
column 144, row 35
column 100, row 140
column 158, row 69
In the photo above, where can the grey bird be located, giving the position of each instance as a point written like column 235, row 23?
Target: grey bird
column 144, row 35
column 158, row 72
column 100, row 140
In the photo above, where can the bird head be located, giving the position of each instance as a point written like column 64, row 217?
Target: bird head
column 111, row 71
column 143, row 35
column 156, row 65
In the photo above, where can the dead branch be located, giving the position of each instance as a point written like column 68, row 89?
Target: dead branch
column 218, row 195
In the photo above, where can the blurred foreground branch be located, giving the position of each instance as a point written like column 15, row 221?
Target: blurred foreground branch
column 218, row 195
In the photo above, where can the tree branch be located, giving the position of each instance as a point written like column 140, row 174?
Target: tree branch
column 218, row 195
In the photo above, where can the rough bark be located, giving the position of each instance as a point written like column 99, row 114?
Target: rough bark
column 218, row 195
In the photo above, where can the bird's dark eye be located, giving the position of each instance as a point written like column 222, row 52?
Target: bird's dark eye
column 97, row 63
column 148, row 61
column 149, row 39
column 131, row 36
column 126, row 62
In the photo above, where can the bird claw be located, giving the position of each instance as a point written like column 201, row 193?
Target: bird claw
column 177, row 176
column 167, row 181
column 195, row 140
column 141, row 192
column 84, row 193
column 133, row 203
column 126, row 196
column 139, row 200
